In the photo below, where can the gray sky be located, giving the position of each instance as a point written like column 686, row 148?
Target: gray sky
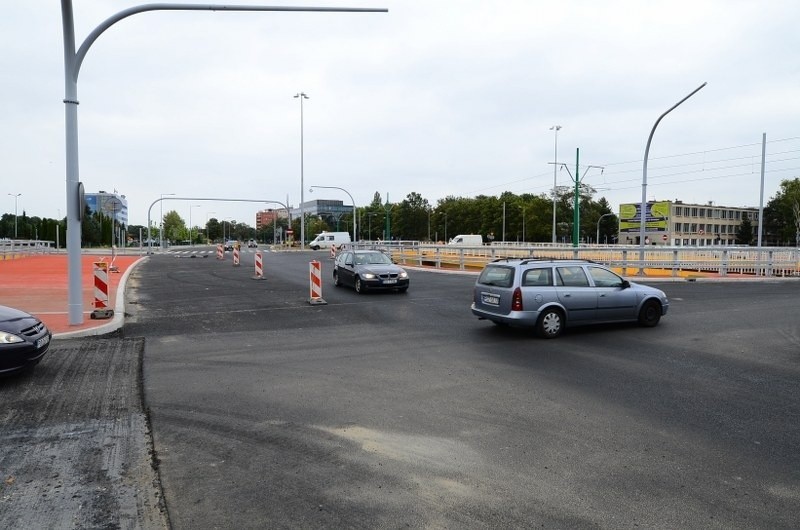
column 449, row 97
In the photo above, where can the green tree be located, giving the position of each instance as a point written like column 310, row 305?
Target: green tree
column 174, row 227
column 744, row 234
column 781, row 222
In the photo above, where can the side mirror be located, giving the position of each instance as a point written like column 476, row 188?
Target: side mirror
column 348, row 263
column 625, row 284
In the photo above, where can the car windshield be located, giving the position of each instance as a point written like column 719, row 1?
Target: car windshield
column 373, row 258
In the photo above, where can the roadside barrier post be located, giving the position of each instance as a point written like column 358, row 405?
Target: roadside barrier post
column 101, row 309
column 315, row 284
column 235, row 257
column 220, row 252
column 333, row 250
column 259, row 275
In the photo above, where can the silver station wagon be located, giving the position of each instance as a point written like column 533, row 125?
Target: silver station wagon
column 549, row 295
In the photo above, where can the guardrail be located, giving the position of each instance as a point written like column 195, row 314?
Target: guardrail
column 16, row 248
column 658, row 261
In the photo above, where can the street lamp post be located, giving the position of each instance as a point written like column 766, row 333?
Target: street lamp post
column 301, row 96
column 445, row 227
column 16, row 196
column 598, row 226
column 191, row 243
column 161, row 226
column 555, row 128
column 643, row 212
column 72, row 64
column 351, row 198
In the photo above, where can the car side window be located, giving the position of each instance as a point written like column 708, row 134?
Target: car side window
column 604, row 278
column 538, row 277
column 572, row 276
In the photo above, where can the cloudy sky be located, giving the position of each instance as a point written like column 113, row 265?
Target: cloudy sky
column 437, row 97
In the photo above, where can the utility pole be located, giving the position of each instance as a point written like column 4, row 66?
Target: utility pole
column 578, row 179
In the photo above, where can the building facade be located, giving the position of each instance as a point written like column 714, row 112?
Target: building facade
column 328, row 209
column 111, row 205
column 268, row 217
column 677, row 224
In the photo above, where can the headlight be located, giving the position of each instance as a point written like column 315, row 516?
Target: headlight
column 403, row 274
column 10, row 338
column 369, row 276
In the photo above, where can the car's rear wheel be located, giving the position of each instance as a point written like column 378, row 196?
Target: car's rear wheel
column 359, row 287
column 550, row 324
column 650, row 314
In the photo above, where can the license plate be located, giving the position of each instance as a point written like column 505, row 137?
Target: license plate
column 490, row 299
column 392, row 280
column 42, row 342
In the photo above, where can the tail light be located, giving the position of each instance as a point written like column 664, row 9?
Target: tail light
column 516, row 300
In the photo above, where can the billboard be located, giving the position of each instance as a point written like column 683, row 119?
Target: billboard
column 656, row 220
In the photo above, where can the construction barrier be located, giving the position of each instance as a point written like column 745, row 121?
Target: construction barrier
column 101, row 309
column 235, row 257
column 259, row 267
column 316, row 284
column 220, row 251
column 333, row 251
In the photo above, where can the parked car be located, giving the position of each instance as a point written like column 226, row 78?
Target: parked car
column 24, row 339
column 367, row 270
column 550, row 295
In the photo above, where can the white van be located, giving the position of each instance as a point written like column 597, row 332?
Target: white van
column 467, row 240
column 326, row 239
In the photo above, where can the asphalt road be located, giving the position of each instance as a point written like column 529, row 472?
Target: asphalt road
column 393, row 410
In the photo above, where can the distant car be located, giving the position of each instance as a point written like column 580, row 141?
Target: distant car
column 367, row 270
column 24, row 339
column 229, row 244
column 252, row 244
column 550, row 295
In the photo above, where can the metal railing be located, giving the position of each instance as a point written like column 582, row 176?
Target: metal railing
column 658, row 261
column 15, row 248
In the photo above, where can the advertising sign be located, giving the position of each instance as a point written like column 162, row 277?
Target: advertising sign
column 656, row 220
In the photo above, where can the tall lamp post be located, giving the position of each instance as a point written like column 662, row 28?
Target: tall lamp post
column 351, row 198
column 598, row 226
column 161, row 226
column 16, row 196
column 643, row 212
column 191, row 243
column 555, row 128
column 301, row 96
column 73, row 58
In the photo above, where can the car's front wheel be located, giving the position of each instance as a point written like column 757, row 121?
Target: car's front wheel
column 336, row 281
column 551, row 323
column 650, row 314
column 359, row 287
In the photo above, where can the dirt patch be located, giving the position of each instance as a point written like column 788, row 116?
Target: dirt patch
column 75, row 448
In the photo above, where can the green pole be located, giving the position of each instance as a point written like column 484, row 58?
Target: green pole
column 388, row 222
column 576, row 217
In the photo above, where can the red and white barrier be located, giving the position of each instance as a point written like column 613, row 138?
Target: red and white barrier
column 333, row 251
column 259, row 267
column 235, row 257
column 220, row 251
column 101, row 309
column 315, row 278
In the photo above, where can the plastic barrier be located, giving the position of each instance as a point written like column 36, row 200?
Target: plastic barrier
column 259, row 267
column 315, row 283
column 101, row 309
column 220, row 251
column 333, row 251
column 235, row 257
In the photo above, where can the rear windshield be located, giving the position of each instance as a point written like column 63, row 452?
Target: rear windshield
column 497, row 275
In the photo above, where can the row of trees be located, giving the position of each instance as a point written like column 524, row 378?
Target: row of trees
column 508, row 217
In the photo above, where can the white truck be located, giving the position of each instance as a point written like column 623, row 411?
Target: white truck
column 326, row 239
column 467, row 240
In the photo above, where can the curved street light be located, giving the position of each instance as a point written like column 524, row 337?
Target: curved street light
column 597, row 240
column 355, row 238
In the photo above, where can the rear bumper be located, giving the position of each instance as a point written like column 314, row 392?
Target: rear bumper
column 514, row 318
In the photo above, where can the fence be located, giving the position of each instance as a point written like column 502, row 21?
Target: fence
column 15, row 248
column 631, row 260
